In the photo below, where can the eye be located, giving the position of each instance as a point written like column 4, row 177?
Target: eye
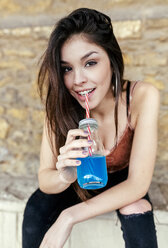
column 66, row 69
column 90, row 63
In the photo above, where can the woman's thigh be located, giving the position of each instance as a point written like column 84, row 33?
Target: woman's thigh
column 40, row 213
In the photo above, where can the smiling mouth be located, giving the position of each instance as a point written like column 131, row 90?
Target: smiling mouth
column 83, row 93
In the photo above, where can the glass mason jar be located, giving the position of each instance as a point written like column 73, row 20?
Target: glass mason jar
column 92, row 172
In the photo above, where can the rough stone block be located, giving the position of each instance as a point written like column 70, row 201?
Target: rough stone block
column 157, row 83
column 163, row 124
column 9, row 6
column 164, row 99
column 164, row 190
column 4, row 81
column 156, row 196
column 19, row 53
column 20, row 114
column 156, row 23
column 127, row 59
column 127, row 29
column 4, row 128
column 17, row 32
column 34, row 90
column 14, row 64
column 1, row 110
column 37, row 117
column 161, row 173
column 156, row 59
column 15, row 6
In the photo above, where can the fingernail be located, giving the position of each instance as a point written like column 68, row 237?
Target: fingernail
column 90, row 141
column 85, row 131
column 85, row 152
column 78, row 162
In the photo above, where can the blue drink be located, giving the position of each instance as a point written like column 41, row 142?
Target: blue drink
column 92, row 173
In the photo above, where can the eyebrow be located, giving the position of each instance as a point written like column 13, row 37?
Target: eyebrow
column 84, row 57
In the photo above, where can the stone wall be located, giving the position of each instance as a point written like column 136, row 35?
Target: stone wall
column 142, row 31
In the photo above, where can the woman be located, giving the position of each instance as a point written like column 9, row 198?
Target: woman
column 84, row 56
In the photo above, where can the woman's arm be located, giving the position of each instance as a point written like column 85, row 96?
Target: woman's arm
column 141, row 165
column 49, row 178
column 57, row 172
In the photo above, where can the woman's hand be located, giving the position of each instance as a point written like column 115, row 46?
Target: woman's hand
column 73, row 149
column 59, row 232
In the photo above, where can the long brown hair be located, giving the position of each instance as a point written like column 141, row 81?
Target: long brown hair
column 63, row 112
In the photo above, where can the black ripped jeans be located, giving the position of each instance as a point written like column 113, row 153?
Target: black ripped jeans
column 42, row 210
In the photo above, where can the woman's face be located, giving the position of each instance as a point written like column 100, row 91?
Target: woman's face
column 86, row 68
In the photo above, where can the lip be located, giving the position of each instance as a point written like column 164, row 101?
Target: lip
column 82, row 98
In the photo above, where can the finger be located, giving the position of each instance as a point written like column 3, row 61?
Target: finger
column 73, row 154
column 62, row 150
column 68, row 162
column 72, row 162
column 78, row 144
column 75, row 132
column 69, row 159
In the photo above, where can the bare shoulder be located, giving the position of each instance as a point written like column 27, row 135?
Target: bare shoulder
column 145, row 94
column 145, row 101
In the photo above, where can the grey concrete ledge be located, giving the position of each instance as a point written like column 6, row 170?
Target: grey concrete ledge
column 15, row 192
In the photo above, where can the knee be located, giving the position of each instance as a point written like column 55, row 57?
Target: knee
column 140, row 206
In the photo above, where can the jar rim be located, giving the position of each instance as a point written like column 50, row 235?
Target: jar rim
column 89, row 121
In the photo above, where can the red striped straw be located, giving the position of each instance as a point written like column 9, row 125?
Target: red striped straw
column 87, row 106
column 88, row 116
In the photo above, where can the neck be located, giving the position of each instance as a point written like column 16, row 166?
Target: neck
column 104, row 111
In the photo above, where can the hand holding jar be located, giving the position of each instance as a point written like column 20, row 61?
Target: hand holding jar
column 73, row 149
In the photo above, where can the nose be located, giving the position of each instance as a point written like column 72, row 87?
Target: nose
column 79, row 77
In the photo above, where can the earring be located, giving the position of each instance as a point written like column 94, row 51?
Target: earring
column 116, row 85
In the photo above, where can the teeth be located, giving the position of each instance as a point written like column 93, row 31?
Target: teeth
column 83, row 93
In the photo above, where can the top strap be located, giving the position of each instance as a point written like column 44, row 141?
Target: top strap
column 129, row 95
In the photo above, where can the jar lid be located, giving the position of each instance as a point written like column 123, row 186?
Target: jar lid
column 88, row 121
